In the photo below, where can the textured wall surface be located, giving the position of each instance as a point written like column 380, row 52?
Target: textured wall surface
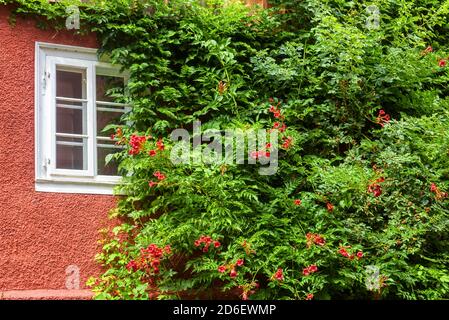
column 40, row 233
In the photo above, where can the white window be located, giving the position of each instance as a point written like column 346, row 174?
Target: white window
column 73, row 106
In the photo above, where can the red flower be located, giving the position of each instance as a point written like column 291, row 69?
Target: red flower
column 382, row 118
column 233, row 273
column 442, row 63
column 319, row 240
column 136, row 143
column 375, row 189
column 207, row 241
column 359, row 255
column 221, row 269
column 297, row 202
column 310, row 269
column 283, row 128
column 313, row 268
column 276, row 125
column 268, row 146
column 287, row 142
column 343, row 252
column 159, row 176
column 329, row 207
column 152, row 183
column 152, row 153
column 433, row 187
column 167, row 249
column 239, row 262
column 309, row 296
column 160, row 145
column 155, row 263
column 132, row 265
column 314, row 238
column 279, row 275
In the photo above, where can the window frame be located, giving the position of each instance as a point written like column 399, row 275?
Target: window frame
column 48, row 178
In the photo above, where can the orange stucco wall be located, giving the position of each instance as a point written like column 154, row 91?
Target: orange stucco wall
column 40, row 233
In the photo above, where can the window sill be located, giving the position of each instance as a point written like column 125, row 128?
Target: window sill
column 77, row 187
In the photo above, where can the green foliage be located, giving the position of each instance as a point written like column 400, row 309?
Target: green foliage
column 364, row 188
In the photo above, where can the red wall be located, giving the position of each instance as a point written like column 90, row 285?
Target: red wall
column 40, row 233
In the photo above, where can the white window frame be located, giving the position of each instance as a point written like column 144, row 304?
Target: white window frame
column 48, row 177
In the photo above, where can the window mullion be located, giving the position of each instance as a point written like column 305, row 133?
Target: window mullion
column 92, row 123
column 91, row 119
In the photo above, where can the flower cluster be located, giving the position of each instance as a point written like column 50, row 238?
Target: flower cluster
column 281, row 127
column 118, row 135
column 278, row 275
column 159, row 147
column 276, row 111
column 149, row 259
column 261, row 153
column 160, row 176
column 309, row 296
column 382, row 118
column 309, row 270
column 442, row 62
column 207, row 241
column 287, row 142
column 346, row 254
column 231, row 267
column 375, row 188
column 136, row 143
column 313, row 238
column 330, row 207
column 297, row 202
column 248, row 289
column 438, row 194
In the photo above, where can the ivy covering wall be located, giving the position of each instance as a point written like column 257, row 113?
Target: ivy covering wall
column 358, row 207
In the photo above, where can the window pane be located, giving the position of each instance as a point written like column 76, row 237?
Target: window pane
column 103, row 149
column 106, row 83
column 71, row 153
column 106, row 117
column 69, row 84
column 70, row 117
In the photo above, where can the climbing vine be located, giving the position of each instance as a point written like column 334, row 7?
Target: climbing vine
column 358, row 206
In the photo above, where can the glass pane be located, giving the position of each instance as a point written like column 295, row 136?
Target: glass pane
column 102, row 151
column 106, row 83
column 69, row 84
column 71, row 153
column 106, row 117
column 70, row 117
